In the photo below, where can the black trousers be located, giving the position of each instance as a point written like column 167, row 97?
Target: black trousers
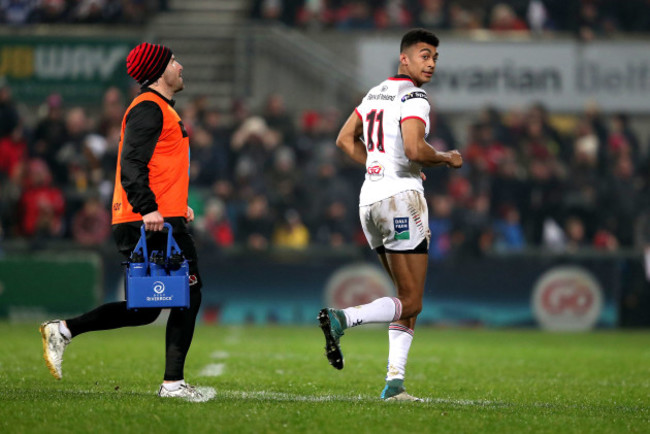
column 181, row 322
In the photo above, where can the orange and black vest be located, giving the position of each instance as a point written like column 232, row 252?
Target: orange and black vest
column 168, row 167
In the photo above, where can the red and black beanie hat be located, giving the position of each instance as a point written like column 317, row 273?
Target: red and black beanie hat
column 147, row 62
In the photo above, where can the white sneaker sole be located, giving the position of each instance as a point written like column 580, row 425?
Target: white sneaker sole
column 404, row 397
column 46, row 354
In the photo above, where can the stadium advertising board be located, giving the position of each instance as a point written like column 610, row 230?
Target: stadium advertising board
column 79, row 69
column 563, row 75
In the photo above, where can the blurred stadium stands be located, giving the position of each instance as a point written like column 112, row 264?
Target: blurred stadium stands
column 268, row 85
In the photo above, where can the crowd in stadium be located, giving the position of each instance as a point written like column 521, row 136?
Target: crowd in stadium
column 586, row 18
column 21, row 12
column 270, row 178
column 266, row 177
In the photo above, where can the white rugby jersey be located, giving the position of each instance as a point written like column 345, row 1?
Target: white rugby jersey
column 382, row 111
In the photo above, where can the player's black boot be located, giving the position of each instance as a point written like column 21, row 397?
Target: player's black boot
column 332, row 322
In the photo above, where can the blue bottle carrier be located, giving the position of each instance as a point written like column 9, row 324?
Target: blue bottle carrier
column 160, row 280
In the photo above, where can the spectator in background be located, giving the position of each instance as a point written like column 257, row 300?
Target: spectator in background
column 91, row 225
column 50, row 11
column 484, row 153
column 576, row 234
column 326, row 188
column 41, row 204
column 504, row 19
column 536, row 144
column 356, row 15
column 622, row 141
column 113, row 109
column 255, row 226
column 13, row 149
column 213, row 123
column 255, row 141
column 544, row 192
column 508, row 232
column 284, row 180
column 17, row 12
column 432, row 14
column 70, row 159
column 9, row 117
column 214, row 224
column 604, row 238
column 538, row 112
column 620, row 200
column 205, row 164
column 291, row 233
column 50, row 132
column 591, row 23
column 278, row 119
column 336, row 228
column 88, row 11
column 508, row 185
column 461, row 18
column 393, row 14
column 538, row 17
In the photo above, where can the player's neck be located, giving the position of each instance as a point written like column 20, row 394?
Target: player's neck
column 400, row 71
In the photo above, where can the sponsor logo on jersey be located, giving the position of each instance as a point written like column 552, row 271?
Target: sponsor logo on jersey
column 401, row 225
column 384, row 88
column 380, row 96
column 375, row 171
column 412, row 95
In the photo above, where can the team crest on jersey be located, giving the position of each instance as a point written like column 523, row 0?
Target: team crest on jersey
column 401, row 225
column 375, row 171
column 412, row 95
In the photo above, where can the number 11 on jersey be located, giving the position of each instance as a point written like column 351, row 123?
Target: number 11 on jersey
column 372, row 117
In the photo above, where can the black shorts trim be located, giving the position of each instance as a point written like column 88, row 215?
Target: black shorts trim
column 422, row 248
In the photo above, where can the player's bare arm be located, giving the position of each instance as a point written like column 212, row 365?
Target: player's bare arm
column 349, row 139
column 418, row 150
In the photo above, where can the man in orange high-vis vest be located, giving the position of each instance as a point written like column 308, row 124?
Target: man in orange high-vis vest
column 151, row 185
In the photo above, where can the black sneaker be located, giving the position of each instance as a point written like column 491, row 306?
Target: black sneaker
column 332, row 322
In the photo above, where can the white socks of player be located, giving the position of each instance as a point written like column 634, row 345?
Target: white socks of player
column 64, row 330
column 174, row 385
column 385, row 309
column 399, row 342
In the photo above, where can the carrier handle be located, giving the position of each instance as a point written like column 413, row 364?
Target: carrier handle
column 172, row 246
column 142, row 245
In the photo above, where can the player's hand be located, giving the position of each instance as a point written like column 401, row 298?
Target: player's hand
column 455, row 159
column 189, row 217
column 153, row 221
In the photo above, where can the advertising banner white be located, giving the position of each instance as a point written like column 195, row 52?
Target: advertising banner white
column 563, row 75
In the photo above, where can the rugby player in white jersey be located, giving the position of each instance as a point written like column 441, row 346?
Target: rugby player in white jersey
column 387, row 132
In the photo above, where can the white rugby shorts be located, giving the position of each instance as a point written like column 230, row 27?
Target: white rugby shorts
column 400, row 222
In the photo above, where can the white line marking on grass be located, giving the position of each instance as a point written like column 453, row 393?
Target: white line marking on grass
column 220, row 355
column 212, row 370
column 207, row 393
column 288, row 397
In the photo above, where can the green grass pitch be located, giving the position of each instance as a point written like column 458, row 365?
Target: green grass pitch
column 276, row 380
